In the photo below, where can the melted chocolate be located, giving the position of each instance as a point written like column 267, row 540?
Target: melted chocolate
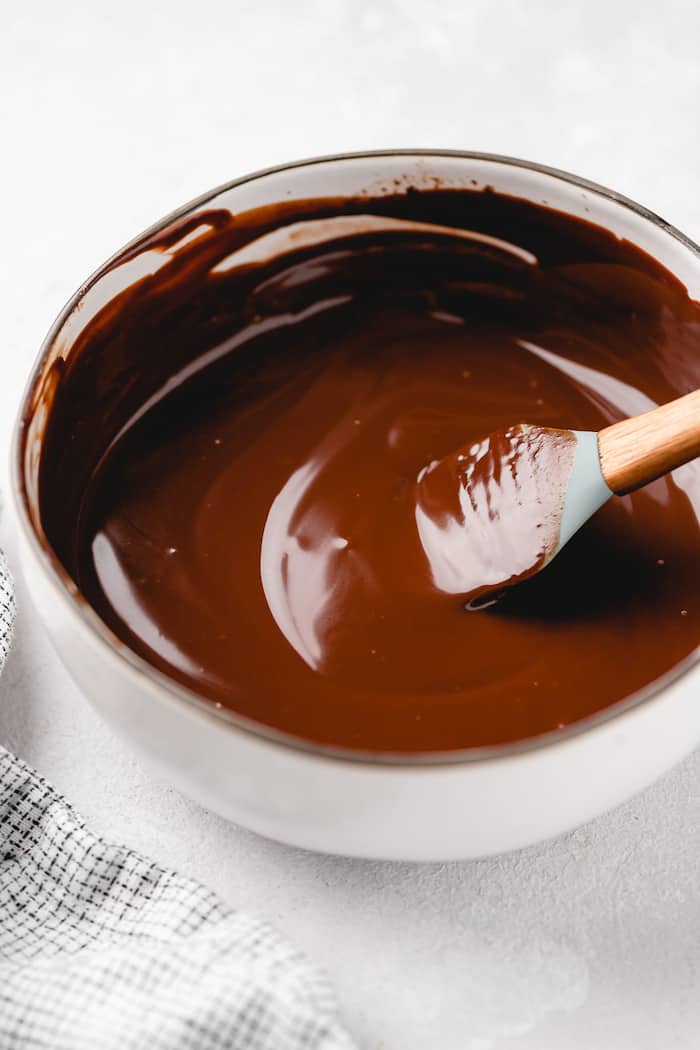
column 230, row 467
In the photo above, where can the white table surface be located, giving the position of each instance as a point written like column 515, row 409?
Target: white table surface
column 113, row 114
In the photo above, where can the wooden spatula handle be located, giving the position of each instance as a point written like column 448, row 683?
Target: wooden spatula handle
column 637, row 450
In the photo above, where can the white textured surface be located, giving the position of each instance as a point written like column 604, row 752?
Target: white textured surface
column 113, row 114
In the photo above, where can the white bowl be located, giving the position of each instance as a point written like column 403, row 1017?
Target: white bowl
column 434, row 807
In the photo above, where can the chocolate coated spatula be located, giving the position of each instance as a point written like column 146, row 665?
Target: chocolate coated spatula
column 497, row 511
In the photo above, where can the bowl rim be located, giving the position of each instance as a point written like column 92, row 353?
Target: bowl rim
column 157, row 681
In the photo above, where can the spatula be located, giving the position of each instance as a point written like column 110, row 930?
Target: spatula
column 499, row 510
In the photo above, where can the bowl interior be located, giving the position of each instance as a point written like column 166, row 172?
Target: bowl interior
column 366, row 176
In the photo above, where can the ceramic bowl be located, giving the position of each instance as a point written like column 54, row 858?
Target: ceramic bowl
column 429, row 807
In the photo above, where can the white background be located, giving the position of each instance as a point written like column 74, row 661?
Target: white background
column 113, row 114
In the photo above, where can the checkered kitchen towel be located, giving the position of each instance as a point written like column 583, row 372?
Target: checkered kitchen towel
column 102, row 950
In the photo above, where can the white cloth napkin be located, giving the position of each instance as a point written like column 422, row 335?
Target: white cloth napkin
column 100, row 949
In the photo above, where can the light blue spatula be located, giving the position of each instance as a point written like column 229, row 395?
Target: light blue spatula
column 498, row 511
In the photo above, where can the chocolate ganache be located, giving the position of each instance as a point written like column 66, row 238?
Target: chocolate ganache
column 236, row 468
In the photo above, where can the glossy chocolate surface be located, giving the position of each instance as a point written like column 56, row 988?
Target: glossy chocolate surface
column 230, row 471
